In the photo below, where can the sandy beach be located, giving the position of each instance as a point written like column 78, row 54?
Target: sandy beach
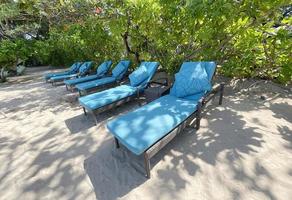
column 50, row 150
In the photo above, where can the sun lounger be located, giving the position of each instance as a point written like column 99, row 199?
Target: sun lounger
column 73, row 70
column 149, row 128
column 101, row 71
column 118, row 74
column 107, row 99
column 83, row 70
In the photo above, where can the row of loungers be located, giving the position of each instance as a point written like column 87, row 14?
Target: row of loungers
column 149, row 128
column 88, row 83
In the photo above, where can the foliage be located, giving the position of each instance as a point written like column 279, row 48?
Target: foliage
column 250, row 38
column 83, row 41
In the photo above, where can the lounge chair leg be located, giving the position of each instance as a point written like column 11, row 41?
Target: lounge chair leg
column 117, row 143
column 84, row 110
column 198, row 118
column 138, row 98
column 221, row 94
column 147, row 164
column 82, row 93
column 94, row 117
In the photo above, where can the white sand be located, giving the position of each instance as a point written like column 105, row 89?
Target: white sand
column 50, row 150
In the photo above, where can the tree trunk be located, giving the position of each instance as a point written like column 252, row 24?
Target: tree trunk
column 128, row 48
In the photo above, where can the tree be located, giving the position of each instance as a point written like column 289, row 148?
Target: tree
column 248, row 38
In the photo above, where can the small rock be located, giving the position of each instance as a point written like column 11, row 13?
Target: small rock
column 263, row 97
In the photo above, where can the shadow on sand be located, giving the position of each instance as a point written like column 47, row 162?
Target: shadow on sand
column 230, row 135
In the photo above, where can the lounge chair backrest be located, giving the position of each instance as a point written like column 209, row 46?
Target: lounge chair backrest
column 209, row 67
column 210, row 70
column 120, row 69
column 84, row 68
column 103, row 68
column 75, row 67
column 151, row 69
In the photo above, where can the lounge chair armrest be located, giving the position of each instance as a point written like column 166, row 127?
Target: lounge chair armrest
column 167, row 90
column 119, row 82
column 215, row 88
column 139, row 88
column 157, row 81
column 122, row 81
column 218, row 88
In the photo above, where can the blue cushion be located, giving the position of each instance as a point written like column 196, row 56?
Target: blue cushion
column 103, row 68
column 81, row 80
column 75, row 67
column 85, row 68
column 50, row 75
column 139, row 75
column 100, row 99
column 191, row 80
column 95, row 83
column 63, row 77
column 151, row 69
column 210, row 69
column 119, row 69
column 82, row 68
column 140, row 129
column 209, row 66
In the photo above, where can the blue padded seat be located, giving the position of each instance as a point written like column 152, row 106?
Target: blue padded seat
column 140, row 129
column 100, row 72
column 48, row 76
column 97, row 100
column 95, row 83
column 56, row 78
column 81, row 80
column 73, row 69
